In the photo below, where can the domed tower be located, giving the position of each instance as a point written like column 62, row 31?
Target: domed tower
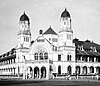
column 65, row 33
column 24, row 35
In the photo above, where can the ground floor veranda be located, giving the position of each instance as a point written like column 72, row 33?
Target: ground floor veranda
column 45, row 71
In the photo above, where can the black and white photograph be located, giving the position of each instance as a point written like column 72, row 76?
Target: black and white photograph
column 49, row 43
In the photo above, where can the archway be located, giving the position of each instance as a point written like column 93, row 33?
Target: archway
column 77, row 69
column 43, row 72
column 69, row 70
column 98, row 70
column 29, row 72
column 84, row 70
column 91, row 69
column 59, row 70
column 36, row 72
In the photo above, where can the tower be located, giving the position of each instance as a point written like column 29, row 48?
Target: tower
column 24, row 35
column 65, row 33
column 24, row 40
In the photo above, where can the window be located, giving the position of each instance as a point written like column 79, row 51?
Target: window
column 41, row 56
column 59, row 69
column 69, row 70
column 64, row 23
column 91, row 69
column 59, row 57
column 36, row 56
column 46, row 55
column 26, row 39
column 54, row 39
column 69, row 37
column 69, row 57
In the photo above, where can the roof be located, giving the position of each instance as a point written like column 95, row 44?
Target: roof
column 86, row 44
column 65, row 13
column 79, row 52
column 24, row 17
column 50, row 31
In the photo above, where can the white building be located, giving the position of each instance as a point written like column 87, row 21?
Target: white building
column 51, row 54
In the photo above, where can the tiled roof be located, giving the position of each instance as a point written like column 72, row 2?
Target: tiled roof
column 50, row 31
column 86, row 44
column 87, row 53
column 79, row 52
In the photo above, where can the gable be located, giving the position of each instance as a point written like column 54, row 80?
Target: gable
column 50, row 31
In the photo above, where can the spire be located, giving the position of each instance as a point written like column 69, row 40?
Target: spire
column 65, row 9
column 24, row 12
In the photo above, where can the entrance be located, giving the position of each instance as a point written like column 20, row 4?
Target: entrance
column 43, row 72
column 36, row 72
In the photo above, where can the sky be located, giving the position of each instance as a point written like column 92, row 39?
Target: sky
column 85, row 15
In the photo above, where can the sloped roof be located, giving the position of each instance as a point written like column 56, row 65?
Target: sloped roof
column 50, row 31
column 79, row 52
column 86, row 44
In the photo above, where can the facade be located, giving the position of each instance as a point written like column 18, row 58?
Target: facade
column 51, row 55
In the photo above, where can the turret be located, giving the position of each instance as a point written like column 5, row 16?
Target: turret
column 24, row 34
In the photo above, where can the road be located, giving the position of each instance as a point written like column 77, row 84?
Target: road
column 49, row 83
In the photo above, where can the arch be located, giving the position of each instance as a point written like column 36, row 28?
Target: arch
column 40, row 49
column 69, row 57
column 69, row 69
column 36, row 56
column 29, row 72
column 91, row 69
column 59, row 69
column 98, row 70
column 36, row 72
column 41, row 56
column 85, row 70
column 77, row 69
column 45, row 55
column 43, row 72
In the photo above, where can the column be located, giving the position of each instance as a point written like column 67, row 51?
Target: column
column 88, row 70
column 94, row 70
column 94, row 59
column 39, row 73
column 88, row 59
column 81, row 58
column 81, row 70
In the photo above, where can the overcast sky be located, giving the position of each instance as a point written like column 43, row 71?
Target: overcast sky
column 85, row 15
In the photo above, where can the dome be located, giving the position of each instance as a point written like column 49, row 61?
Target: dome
column 65, row 13
column 24, row 17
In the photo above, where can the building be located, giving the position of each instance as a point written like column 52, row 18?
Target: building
column 51, row 55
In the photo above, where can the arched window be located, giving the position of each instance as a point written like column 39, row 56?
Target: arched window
column 84, row 70
column 77, row 69
column 59, row 69
column 69, row 57
column 45, row 55
column 69, row 70
column 91, row 69
column 36, row 56
column 41, row 56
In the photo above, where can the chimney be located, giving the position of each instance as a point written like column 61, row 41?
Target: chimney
column 40, row 32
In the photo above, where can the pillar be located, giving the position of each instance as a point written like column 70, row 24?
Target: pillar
column 39, row 73
column 81, row 58
column 81, row 70
column 88, row 59
column 94, row 70
column 88, row 70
